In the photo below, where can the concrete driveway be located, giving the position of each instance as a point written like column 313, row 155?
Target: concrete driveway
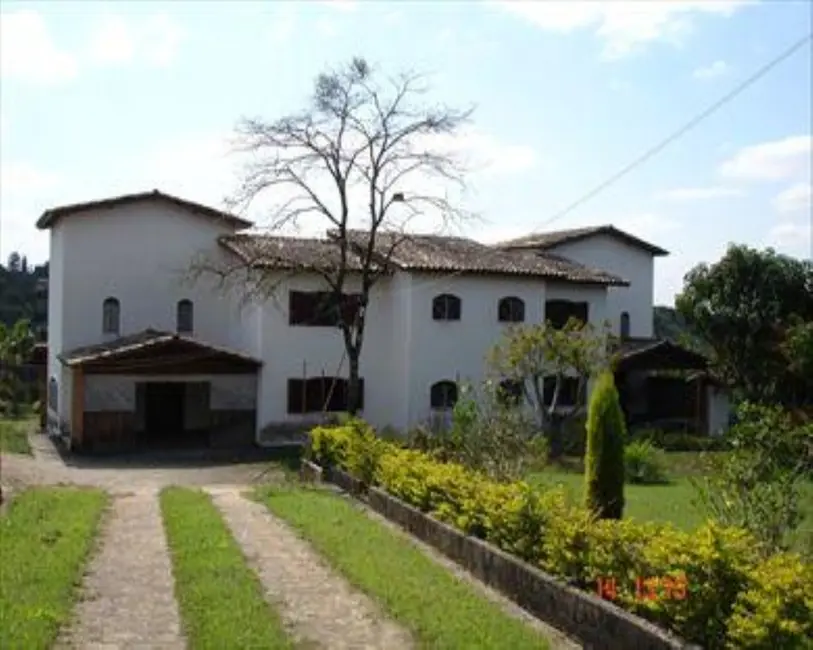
column 48, row 466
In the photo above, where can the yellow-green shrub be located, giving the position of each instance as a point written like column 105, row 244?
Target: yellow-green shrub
column 731, row 594
column 776, row 611
column 715, row 563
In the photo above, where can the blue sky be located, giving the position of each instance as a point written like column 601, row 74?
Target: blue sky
column 98, row 99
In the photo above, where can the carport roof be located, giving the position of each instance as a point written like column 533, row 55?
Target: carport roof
column 150, row 343
column 657, row 354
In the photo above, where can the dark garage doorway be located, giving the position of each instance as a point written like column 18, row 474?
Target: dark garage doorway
column 167, row 418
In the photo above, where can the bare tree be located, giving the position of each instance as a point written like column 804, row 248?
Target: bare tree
column 361, row 159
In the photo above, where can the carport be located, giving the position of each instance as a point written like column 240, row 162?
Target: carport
column 160, row 390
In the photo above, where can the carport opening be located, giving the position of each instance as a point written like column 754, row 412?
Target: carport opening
column 176, row 414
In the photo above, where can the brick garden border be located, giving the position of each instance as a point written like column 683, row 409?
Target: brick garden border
column 595, row 622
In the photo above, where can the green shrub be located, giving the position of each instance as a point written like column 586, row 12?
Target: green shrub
column 604, row 461
column 680, row 441
column 643, row 463
column 730, row 593
column 776, row 611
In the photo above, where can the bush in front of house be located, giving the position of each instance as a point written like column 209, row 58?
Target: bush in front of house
column 713, row 583
column 644, row 463
column 604, row 458
column 679, row 440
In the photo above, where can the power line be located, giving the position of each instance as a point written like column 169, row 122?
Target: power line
column 661, row 145
column 685, row 128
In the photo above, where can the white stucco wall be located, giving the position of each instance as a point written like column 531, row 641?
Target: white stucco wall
column 631, row 263
column 719, row 410
column 295, row 351
column 441, row 350
column 117, row 392
column 138, row 254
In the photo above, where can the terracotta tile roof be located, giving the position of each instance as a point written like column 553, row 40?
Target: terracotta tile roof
column 51, row 216
column 144, row 340
column 413, row 252
column 547, row 240
column 287, row 253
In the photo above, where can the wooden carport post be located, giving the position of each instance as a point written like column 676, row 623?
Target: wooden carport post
column 78, row 408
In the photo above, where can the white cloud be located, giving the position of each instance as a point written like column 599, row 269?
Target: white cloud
column 624, row 26
column 117, row 41
column 795, row 198
column 112, row 42
column 161, row 40
column 685, row 194
column 21, row 177
column 283, row 22
column 771, row 161
column 341, row 5
column 711, row 71
column 792, row 238
column 28, row 53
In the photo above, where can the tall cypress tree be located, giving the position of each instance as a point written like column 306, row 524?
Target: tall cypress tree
column 604, row 461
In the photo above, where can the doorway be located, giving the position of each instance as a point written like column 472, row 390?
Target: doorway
column 164, row 413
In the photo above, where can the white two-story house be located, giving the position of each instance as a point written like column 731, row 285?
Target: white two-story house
column 142, row 354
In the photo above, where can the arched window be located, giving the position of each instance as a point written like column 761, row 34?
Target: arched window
column 446, row 307
column 511, row 310
column 509, row 392
column 443, row 394
column 625, row 325
column 110, row 316
column 185, row 317
column 53, row 394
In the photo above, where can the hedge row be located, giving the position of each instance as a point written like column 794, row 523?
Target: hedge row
column 733, row 597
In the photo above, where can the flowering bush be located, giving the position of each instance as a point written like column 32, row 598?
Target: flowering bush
column 727, row 595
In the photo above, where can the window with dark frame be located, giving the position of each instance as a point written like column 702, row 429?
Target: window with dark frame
column 625, row 325
column 568, row 394
column 511, row 310
column 446, row 307
column 320, row 394
column 321, row 308
column 509, row 392
column 111, row 316
column 185, row 318
column 443, row 394
column 558, row 312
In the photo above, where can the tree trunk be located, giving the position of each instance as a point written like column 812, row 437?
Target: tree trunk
column 353, row 385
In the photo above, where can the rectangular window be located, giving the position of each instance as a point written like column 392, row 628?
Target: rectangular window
column 318, row 394
column 321, row 308
column 558, row 312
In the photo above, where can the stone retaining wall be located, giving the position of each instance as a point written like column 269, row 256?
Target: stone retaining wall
column 597, row 623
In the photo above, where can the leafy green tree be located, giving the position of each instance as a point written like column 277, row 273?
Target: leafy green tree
column 744, row 306
column 528, row 354
column 757, row 486
column 16, row 345
column 604, row 459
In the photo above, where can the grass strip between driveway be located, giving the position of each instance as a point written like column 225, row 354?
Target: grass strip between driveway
column 45, row 539
column 220, row 597
column 441, row 610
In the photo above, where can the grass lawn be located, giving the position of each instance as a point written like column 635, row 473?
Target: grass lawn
column 441, row 610
column 14, row 435
column 45, row 539
column 220, row 598
column 673, row 502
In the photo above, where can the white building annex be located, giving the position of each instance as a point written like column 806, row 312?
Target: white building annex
column 139, row 356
